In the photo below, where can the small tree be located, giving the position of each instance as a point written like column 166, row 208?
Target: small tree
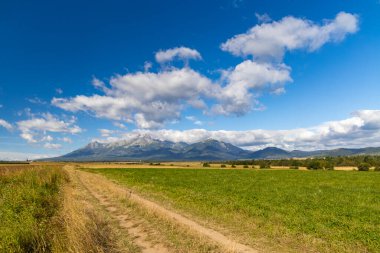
column 329, row 166
column 233, row 166
column 363, row 167
column 222, row 166
column 206, row 165
column 314, row 165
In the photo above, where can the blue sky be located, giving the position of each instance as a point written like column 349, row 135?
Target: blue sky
column 321, row 91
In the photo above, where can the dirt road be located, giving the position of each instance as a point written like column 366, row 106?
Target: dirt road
column 151, row 227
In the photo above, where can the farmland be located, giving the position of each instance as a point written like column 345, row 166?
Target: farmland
column 184, row 207
column 285, row 210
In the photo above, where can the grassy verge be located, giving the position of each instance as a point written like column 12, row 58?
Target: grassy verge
column 314, row 211
column 84, row 225
column 29, row 199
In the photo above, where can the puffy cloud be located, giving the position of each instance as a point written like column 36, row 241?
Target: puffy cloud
column 66, row 139
column 47, row 138
column 237, row 97
column 147, row 99
column 147, row 66
column 52, row 145
column 106, row 132
column 263, row 18
column 37, row 127
column 362, row 129
column 5, row 124
column 272, row 40
column 180, row 53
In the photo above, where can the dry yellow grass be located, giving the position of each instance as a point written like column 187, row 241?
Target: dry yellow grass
column 84, row 225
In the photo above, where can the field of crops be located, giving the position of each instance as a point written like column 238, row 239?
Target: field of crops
column 290, row 210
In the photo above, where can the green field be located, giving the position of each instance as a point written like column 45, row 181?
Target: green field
column 313, row 211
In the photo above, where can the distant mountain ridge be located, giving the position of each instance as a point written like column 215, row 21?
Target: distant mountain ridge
column 146, row 148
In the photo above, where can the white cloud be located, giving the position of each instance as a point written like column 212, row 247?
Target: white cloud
column 194, row 120
column 106, row 132
column 147, row 66
column 18, row 156
column 58, row 90
column 37, row 127
column 237, row 97
column 180, row 53
column 120, row 125
column 149, row 99
column 5, row 124
column 47, row 138
column 362, row 129
column 263, row 18
column 52, row 145
column 272, row 40
column 67, row 140
column 36, row 100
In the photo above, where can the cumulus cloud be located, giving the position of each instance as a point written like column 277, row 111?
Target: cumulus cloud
column 5, row 124
column 147, row 99
column 52, row 145
column 38, row 127
column 47, row 138
column 106, row 132
column 272, row 40
column 151, row 99
column 362, row 129
column 178, row 53
column 237, row 98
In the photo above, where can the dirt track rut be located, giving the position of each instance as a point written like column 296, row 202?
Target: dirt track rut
column 109, row 194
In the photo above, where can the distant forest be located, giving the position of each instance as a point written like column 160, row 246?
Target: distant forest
column 328, row 163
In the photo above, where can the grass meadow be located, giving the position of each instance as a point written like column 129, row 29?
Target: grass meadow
column 29, row 199
column 282, row 210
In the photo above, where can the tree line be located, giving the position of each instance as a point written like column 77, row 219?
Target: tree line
column 327, row 163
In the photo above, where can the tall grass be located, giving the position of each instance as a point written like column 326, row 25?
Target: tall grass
column 29, row 199
column 303, row 211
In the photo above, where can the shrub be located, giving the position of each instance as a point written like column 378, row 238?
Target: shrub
column 294, row 167
column 377, row 168
column 363, row 167
column 245, row 166
column 329, row 166
column 263, row 166
column 206, row 165
column 233, row 166
column 314, row 165
column 222, row 166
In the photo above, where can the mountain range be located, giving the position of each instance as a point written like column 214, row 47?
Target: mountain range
column 146, row 148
